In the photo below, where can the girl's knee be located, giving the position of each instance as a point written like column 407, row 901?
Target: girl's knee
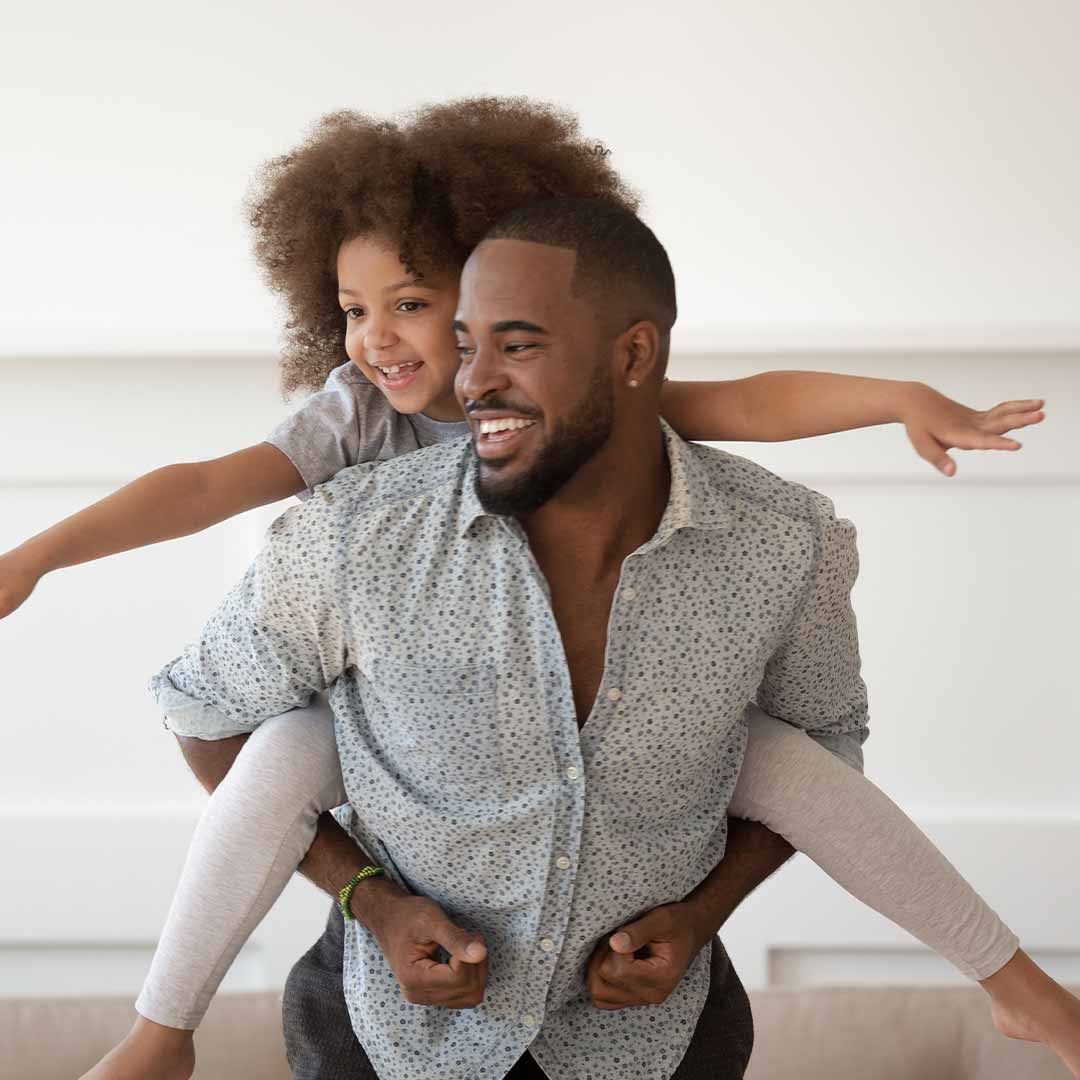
column 290, row 764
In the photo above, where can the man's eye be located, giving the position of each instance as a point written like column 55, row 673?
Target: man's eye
column 353, row 312
column 463, row 349
column 520, row 347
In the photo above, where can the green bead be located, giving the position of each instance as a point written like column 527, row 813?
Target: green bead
column 345, row 896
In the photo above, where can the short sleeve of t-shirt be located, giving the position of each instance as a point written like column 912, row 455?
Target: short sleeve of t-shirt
column 349, row 421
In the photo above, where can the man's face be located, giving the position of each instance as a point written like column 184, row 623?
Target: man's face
column 536, row 379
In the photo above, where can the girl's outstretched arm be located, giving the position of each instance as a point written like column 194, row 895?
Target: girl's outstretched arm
column 780, row 405
column 176, row 500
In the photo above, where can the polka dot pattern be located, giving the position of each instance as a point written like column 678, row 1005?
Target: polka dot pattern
column 467, row 774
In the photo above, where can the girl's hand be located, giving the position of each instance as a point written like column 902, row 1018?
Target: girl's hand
column 936, row 424
column 17, row 581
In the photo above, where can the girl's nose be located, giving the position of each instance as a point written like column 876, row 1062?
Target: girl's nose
column 378, row 338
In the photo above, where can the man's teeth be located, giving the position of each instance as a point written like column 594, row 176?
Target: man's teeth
column 490, row 427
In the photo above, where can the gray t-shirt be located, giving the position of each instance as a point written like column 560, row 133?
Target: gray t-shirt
column 349, row 421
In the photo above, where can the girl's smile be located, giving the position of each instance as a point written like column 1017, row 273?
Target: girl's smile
column 399, row 327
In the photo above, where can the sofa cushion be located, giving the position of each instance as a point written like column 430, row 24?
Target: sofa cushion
column 801, row 1034
column 888, row 1033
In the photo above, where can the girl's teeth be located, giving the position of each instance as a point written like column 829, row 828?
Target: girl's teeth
column 406, row 368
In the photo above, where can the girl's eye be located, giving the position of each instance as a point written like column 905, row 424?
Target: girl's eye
column 464, row 350
column 412, row 305
column 353, row 312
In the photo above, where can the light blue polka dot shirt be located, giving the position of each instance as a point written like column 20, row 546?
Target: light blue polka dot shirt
column 430, row 624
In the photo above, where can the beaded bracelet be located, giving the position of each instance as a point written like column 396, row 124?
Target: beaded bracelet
column 345, row 896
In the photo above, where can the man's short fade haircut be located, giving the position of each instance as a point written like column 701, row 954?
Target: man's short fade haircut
column 620, row 265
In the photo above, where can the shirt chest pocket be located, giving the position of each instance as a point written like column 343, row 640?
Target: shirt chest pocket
column 438, row 727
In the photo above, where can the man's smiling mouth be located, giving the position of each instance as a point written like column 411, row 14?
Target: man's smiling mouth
column 496, row 435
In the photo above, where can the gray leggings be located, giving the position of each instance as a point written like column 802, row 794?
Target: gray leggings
column 263, row 817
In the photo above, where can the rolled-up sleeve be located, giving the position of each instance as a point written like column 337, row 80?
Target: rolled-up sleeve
column 274, row 640
column 813, row 679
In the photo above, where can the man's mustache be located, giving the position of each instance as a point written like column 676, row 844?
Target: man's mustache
column 497, row 404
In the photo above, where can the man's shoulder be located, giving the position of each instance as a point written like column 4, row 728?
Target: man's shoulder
column 361, row 494
column 746, row 485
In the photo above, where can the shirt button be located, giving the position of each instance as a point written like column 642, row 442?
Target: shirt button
column 572, row 772
column 629, row 592
column 562, row 862
column 547, row 944
column 614, row 694
column 529, row 1020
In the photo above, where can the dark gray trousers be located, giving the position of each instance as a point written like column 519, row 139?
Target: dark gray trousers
column 321, row 1045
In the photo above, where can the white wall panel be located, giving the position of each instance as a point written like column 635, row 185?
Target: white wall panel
column 966, row 599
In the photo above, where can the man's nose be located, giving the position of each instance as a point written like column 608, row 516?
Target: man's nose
column 484, row 372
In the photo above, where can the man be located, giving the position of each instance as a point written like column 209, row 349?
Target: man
column 542, row 643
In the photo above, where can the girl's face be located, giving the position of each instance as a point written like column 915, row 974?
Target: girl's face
column 399, row 331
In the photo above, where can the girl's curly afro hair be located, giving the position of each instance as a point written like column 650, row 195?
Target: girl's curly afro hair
column 434, row 181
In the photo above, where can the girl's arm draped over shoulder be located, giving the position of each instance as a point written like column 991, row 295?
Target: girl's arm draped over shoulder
column 781, row 405
column 173, row 501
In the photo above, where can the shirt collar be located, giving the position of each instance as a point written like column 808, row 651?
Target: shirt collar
column 693, row 503
column 469, row 508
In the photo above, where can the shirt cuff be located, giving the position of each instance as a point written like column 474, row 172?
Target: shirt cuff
column 847, row 748
column 190, row 717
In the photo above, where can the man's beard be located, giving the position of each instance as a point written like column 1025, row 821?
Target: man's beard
column 573, row 442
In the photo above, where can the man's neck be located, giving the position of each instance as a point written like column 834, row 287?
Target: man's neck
column 611, row 506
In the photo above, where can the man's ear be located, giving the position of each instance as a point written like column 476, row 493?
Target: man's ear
column 638, row 350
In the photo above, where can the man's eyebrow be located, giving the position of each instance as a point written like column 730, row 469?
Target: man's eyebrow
column 505, row 325
column 517, row 324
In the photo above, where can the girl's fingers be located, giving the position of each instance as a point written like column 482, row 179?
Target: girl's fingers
column 1031, row 405
column 1010, row 421
column 985, row 441
column 929, row 449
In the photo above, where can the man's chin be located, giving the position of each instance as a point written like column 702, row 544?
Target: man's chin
column 512, row 462
column 502, row 485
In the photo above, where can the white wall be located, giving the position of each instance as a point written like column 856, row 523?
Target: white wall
column 840, row 176
column 966, row 601
column 841, row 168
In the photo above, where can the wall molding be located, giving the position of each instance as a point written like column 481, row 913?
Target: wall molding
column 692, row 344
column 798, row 928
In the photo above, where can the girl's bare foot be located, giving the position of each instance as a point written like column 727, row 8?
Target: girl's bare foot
column 1028, row 1004
column 149, row 1052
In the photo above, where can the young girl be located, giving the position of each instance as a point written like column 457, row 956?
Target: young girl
column 363, row 230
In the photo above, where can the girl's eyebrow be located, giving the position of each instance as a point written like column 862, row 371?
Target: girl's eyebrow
column 408, row 283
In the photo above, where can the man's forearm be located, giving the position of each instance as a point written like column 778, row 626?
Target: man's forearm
column 753, row 853
column 333, row 857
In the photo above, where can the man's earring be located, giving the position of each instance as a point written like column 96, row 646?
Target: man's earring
column 632, row 382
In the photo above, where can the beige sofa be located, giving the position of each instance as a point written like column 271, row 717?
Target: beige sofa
column 849, row 1034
